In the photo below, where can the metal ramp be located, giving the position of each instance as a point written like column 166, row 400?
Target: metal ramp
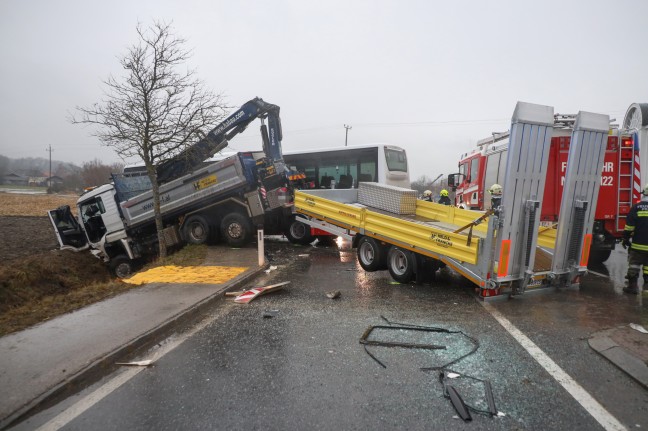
column 580, row 195
column 524, row 181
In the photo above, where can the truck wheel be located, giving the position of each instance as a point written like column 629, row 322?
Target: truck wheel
column 195, row 230
column 371, row 255
column 298, row 232
column 400, row 264
column 236, row 229
column 599, row 256
column 121, row 266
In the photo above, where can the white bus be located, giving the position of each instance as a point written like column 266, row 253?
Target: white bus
column 345, row 167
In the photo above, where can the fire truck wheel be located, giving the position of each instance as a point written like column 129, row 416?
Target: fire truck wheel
column 400, row 264
column 371, row 255
column 236, row 229
column 298, row 232
column 121, row 266
column 195, row 230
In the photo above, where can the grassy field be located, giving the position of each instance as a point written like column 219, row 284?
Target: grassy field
column 15, row 204
column 47, row 283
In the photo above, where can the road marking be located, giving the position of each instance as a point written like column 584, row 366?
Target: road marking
column 75, row 410
column 592, row 406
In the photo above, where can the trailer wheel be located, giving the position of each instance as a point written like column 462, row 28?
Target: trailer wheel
column 236, row 229
column 195, row 230
column 371, row 255
column 298, row 232
column 400, row 264
column 121, row 266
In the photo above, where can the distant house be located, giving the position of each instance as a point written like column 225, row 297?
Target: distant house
column 15, row 180
column 37, row 181
column 54, row 179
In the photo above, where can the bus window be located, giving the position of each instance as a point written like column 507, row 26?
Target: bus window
column 396, row 160
column 348, row 166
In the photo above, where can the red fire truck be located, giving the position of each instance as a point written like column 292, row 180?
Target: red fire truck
column 620, row 181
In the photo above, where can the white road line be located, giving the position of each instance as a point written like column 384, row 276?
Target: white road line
column 75, row 410
column 592, row 406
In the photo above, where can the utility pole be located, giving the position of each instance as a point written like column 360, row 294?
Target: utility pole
column 346, row 137
column 49, row 178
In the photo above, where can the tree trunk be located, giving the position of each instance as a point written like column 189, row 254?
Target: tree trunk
column 159, row 226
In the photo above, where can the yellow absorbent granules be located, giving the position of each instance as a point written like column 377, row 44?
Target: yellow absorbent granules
column 187, row 274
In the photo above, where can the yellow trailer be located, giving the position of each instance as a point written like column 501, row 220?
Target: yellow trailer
column 505, row 251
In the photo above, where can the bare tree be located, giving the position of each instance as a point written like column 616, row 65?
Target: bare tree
column 95, row 173
column 156, row 110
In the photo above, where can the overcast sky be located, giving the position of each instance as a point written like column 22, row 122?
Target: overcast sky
column 432, row 77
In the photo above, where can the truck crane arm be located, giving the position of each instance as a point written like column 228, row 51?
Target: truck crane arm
column 217, row 139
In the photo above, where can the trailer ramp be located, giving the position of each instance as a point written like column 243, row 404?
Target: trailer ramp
column 580, row 195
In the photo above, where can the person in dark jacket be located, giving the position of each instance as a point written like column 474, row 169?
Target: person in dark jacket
column 427, row 196
column 635, row 239
column 444, row 199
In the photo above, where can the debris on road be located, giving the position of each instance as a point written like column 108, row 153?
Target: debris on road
column 145, row 363
column 249, row 295
column 639, row 328
column 267, row 314
column 334, row 294
column 462, row 408
column 269, row 270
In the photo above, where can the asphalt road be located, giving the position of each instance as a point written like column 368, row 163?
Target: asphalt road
column 304, row 367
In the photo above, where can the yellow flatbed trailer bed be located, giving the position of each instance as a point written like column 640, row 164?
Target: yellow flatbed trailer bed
column 504, row 251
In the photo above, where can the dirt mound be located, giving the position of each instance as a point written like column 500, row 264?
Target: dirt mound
column 37, row 280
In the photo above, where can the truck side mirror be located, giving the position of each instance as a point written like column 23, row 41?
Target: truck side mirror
column 454, row 180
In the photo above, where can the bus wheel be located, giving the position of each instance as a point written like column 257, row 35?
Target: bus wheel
column 121, row 266
column 298, row 232
column 195, row 230
column 400, row 264
column 236, row 229
column 371, row 255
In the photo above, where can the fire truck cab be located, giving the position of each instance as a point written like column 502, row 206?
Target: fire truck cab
column 619, row 184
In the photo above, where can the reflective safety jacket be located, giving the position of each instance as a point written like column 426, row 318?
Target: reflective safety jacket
column 637, row 225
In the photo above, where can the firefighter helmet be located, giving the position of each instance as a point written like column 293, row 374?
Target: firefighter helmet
column 444, row 192
column 427, row 193
column 495, row 190
column 645, row 190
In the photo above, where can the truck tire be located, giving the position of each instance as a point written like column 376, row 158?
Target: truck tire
column 121, row 266
column 400, row 263
column 298, row 232
column 195, row 230
column 599, row 256
column 371, row 255
column 236, row 229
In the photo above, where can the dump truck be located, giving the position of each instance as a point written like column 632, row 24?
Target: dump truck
column 501, row 251
column 198, row 200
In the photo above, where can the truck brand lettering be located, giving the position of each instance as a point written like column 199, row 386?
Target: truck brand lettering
column 441, row 239
column 346, row 214
column 203, row 183
column 228, row 123
column 310, row 201
column 163, row 200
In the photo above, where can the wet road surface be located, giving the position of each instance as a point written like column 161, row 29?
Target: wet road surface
column 305, row 368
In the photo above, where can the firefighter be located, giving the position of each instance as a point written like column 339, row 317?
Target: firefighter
column 635, row 237
column 427, row 196
column 444, row 199
column 496, row 195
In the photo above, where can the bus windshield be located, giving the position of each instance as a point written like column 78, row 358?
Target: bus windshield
column 396, row 160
